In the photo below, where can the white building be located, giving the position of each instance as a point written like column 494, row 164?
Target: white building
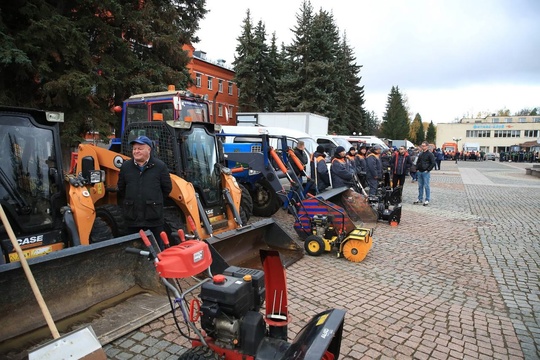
column 493, row 133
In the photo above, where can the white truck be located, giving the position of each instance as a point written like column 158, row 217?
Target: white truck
column 471, row 147
column 309, row 123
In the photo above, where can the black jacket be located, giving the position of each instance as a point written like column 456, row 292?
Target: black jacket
column 319, row 164
column 143, row 192
column 302, row 156
column 401, row 164
column 425, row 161
column 374, row 167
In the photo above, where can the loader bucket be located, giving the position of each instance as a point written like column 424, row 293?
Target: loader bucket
column 71, row 281
column 240, row 247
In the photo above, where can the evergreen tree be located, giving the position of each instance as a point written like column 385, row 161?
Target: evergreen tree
column 415, row 126
column 371, row 124
column 395, row 123
column 245, row 64
column 83, row 58
column 420, row 132
column 431, row 133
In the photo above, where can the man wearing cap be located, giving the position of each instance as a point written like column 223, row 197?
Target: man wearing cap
column 374, row 172
column 143, row 185
column 340, row 170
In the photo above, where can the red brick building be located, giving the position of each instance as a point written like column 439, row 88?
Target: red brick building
column 214, row 78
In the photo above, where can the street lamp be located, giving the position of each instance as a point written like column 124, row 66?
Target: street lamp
column 457, row 140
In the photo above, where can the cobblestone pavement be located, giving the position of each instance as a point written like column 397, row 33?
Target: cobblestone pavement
column 458, row 279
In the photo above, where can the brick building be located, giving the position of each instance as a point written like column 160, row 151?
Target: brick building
column 215, row 79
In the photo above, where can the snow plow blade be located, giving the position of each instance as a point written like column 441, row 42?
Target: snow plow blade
column 72, row 281
column 240, row 247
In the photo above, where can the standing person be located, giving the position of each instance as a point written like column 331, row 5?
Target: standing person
column 361, row 155
column 439, row 156
column 143, row 184
column 424, row 164
column 385, row 158
column 302, row 156
column 401, row 164
column 414, row 157
column 318, row 164
column 353, row 157
column 374, row 172
column 340, row 170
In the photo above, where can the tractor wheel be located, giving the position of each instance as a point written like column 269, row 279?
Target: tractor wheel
column 113, row 216
column 100, row 231
column 314, row 245
column 246, row 204
column 174, row 220
column 265, row 199
column 199, row 353
column 355, row 250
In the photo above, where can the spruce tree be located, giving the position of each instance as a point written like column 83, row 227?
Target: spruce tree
column 431, row 133
column 420, row 132
column 83, row 58
column 245, row 64
column 395, row 123
column 415, row 125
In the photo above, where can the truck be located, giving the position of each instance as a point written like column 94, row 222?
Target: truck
column 471, row 147
column 310, row 123
column 397, row 143
column 449, row 149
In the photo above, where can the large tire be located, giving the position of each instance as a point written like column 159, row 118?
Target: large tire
column 199, row 353
column 100, row 231
column 246, row 204
column 265, row 199
column 114, row 217
column 174, row 220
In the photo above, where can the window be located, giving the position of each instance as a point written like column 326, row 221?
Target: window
column 495, row 120
column 220, row 85
column 210, row 80
column 536, row 119
column 478, row 133
column 198, row 80
column 220, row 110
column 211, row 106
column 531, row 133
column 522, row 120
column 230, row 88
column 230, row 111
column 508, row 119
column 507, row 133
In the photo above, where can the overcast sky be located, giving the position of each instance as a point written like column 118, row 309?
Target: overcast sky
column 450, row 58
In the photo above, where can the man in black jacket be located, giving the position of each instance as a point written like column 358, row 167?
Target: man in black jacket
column 144, row 183
column 374, row 173
column 424, row 164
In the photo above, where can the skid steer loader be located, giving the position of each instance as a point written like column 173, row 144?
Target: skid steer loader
column 67, row 237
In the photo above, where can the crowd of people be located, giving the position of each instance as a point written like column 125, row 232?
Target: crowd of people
column 374, row 168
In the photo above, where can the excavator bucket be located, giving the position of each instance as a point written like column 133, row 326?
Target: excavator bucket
column 240, row 247
column 71, row 281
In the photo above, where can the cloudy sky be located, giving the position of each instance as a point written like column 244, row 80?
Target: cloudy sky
column 450, row 58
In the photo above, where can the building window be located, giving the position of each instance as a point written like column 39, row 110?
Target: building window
column 220, row 85
column 522, row 120
column 495, row 120
column 478, row 133
column 220, row 110
column 531, row 133
column 198, row 80
column 231, row 111
column 508, row 120
column 210, row 80
column 507, row 133
column 211, row 106
column 536, row 119
column 230, row 88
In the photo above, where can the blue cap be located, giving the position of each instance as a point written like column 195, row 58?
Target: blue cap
column 143, row 140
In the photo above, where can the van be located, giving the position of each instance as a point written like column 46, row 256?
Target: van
column 331, row 142
column 364, row 140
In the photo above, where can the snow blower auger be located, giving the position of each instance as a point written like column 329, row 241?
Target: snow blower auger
column 324, row 226
column 228, row 307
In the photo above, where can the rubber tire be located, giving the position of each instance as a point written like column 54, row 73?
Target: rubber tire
column 199, row 353
column 114, row 217
column 269, row 203
column 174, row 220
column 101, row 231
column 246, row 204
column 314, row 245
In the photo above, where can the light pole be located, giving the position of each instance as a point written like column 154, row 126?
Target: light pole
column 457, row 140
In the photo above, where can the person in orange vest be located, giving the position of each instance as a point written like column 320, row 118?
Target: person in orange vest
column 318, row 164
column 374, row 172
column 340, row 170
column 401, row 164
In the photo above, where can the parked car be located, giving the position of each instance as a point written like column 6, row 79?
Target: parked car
column 491, row 156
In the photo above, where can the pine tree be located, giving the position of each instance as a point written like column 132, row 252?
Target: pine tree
column 83, row 58
column 245, row 64
column 420, row 132
column 413, row 132
column 431, row 133
column 395, row 123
